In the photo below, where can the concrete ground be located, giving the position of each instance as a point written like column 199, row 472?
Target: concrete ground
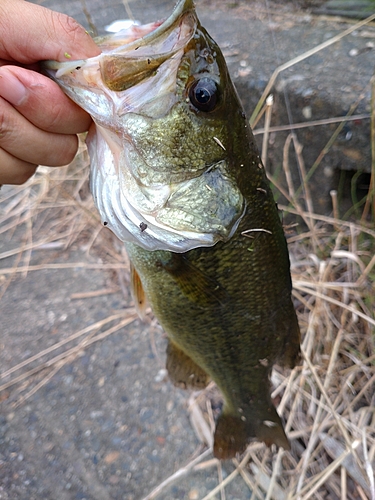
column 108, row 425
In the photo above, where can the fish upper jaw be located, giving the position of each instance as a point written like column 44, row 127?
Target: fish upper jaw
column 124, row 76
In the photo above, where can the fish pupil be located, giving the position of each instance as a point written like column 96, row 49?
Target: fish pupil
column 203, row 94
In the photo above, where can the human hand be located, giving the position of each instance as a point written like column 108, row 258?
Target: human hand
column 38, row 123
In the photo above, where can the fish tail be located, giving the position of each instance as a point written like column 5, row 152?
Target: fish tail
column 231, row 436
column 234, row 432
column 271, row 431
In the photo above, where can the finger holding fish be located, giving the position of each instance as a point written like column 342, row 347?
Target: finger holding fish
column 13, row 170
column 22, row 139
column 31, row 93
column 38, row 123
column 32, row 33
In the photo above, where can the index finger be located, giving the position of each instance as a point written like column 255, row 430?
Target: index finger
column 49, row 34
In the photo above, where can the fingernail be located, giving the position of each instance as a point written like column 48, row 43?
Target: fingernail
column 11, row 89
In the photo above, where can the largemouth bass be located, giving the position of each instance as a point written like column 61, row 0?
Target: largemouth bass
column 176, row 174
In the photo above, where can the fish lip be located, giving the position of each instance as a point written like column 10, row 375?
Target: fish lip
column 56, row 69
column 182, row 8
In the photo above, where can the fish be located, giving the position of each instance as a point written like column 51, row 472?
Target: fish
column 177, row 176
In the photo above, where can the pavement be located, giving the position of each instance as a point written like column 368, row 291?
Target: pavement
column 106, row 424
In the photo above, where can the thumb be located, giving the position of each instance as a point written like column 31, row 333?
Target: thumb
column 49, row 34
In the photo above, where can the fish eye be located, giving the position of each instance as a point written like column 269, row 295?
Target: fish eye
column 204, row 94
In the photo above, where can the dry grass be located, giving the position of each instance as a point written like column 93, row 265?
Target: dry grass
column 328, row 403
column 53, row 211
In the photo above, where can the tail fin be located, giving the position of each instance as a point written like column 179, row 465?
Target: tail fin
column 231, row 436
column 233, row 433
column 272, row 431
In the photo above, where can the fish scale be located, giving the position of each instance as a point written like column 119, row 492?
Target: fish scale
column 176, row 174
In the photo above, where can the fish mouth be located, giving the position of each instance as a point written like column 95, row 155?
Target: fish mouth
column 126, row 89
column 182, row 7
column 134, row 64
column 153, row 41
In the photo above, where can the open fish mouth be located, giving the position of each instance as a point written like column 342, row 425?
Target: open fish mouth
column 148, row 189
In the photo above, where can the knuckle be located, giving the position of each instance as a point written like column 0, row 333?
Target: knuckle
column 65, row 152
column 52, row 120
column 69, row 25
column 5, row 124
column 25, row 175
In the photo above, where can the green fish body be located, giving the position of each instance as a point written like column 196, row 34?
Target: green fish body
column 229, row 317
column 172, row 145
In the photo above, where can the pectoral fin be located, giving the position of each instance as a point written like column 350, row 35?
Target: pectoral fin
column 231, row 436
column 195, row 284
column 137, row 293
column 183, row 371
column 271, row 431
